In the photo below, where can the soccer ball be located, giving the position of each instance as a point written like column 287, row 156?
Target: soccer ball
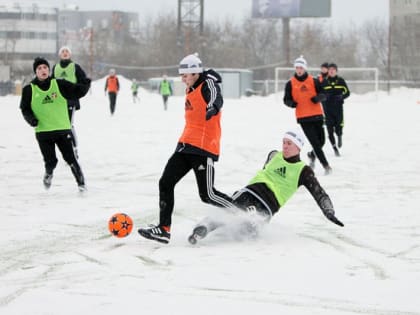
column 120, row 225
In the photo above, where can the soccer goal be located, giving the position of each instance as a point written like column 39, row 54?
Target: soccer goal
column 359, row 80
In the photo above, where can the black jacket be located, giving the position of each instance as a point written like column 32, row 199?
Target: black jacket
column 69, row 91
column 336, row 91
column 212, row 95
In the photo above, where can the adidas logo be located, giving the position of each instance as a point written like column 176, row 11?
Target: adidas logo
column 63, row 74
column 47, row 100
column 281, row 171
column 201, row 168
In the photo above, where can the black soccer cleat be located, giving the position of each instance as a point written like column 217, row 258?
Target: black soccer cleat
column 311, row 156
column 157, row 233
column 199, row 232
column 340, row 141
column 47, row 180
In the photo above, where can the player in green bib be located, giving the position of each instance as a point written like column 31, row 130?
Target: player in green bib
column 165, row 89
column 70, row 71
column 272, row 187
column 44, row 106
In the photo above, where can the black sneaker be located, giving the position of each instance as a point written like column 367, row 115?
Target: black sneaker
column 340, row 141
column 199, row 232
column 336, row 152
column 311, row 156
column 328, row 170
column 156, row 233
column 47, row 180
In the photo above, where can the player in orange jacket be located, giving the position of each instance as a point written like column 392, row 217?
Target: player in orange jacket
column 198, row 147
column 112, row 85
column 303, row 92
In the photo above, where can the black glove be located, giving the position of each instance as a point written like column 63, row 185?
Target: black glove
column 329, row 213
column 210, row 112
column 291, row 103
column 33, row 122
column 318, row 98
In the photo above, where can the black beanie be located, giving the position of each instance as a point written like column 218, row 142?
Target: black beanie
column 324, row 65
column 40, row 61
column 333, row 65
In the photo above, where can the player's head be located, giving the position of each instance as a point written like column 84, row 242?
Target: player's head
column 190, row 68
column 64, row 53
column 293, row 141
column 41, row 68
column 300, row 65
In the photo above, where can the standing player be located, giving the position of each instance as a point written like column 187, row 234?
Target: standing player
column 44, row 106
column 165, row 89
column 112, row 85
column 68, row 70
column 337, row 91
column 303, row 92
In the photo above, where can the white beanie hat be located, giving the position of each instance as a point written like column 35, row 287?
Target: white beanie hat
column 296, row 136
column 63, row 48
column 300, row 62
column 190, row 64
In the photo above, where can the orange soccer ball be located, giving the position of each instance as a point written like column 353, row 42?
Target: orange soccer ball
column 120, row 225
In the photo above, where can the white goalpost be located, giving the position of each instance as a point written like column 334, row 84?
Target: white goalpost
column 359, row 80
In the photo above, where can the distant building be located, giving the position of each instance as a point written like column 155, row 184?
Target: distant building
column 27, row 32
column 405, row 39
column 77, row 28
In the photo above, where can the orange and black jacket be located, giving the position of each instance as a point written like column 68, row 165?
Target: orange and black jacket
column 202, row 132
column 304, row 94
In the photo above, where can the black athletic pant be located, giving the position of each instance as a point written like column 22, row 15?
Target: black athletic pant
column 165, row 101
column 63, row 140
column 334, row 122
column 73, row 105
column 179, row 164
column 112, row 101
column 314, row 131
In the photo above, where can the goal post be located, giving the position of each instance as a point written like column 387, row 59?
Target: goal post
column 359, row 80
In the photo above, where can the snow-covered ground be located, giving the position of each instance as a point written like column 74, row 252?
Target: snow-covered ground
column 57, row 256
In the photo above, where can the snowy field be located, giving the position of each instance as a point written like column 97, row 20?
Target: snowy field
column 57, row 256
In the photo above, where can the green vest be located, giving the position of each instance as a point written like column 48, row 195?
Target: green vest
column 50, row 108
column 281, row 177
column 68, row 73
column 134, row 87
column 165, row 88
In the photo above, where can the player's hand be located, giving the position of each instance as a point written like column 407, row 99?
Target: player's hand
column 329, row 213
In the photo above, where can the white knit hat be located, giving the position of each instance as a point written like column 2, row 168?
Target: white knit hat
column 296, row 136
column 63, row 48
column 300, row 62
column 190, row 64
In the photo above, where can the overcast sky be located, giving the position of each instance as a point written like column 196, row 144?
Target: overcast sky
column 344, row 12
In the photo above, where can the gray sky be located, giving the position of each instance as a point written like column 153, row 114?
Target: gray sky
column 344, row 12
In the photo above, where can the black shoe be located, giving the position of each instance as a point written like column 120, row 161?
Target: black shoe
column 340, row 141
column 336, row 152
column 311, row 156
column 199, row 232
column 47, row 180
column 157, row 233
column 328, row 170
column 82, row 188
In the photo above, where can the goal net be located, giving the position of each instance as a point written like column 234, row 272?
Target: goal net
column 359, row 80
